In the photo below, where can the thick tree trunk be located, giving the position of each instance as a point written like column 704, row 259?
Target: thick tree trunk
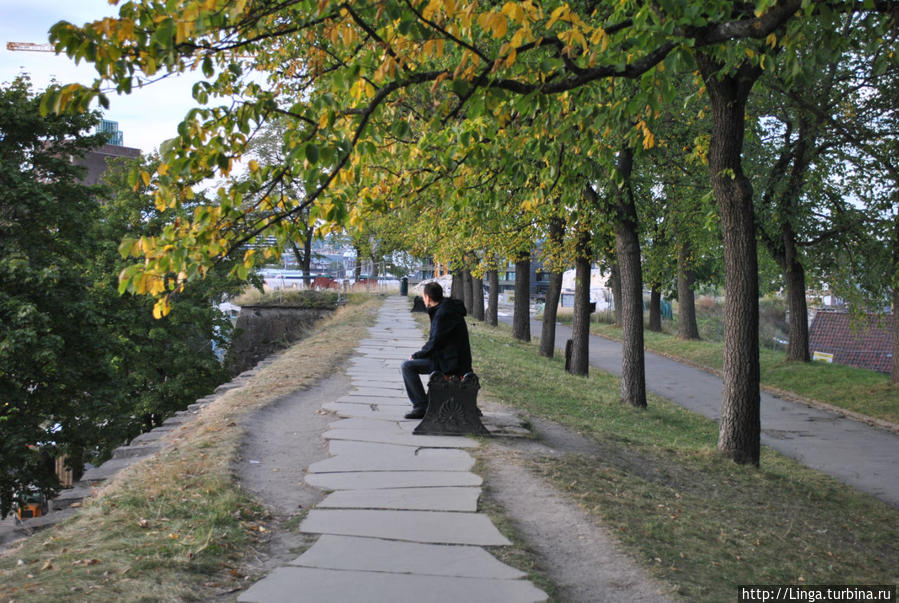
column 550, row 312
column 492, row 297
column 739, row 434
column 553, row 292
column 655, row 308
column 521, row 320
column 306, row 264
column 357, row 270
column 794, row 276
column 784, row 189
column 627, row 247
column 467, row 293
column 477, row 298
column 456, row 286
column 894, row 372
column 580, row 328
column 686, row 303
column 615, row 280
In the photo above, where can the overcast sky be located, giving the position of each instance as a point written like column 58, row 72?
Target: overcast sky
column 147, row 116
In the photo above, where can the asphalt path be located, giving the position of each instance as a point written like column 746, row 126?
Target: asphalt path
column 855, row 453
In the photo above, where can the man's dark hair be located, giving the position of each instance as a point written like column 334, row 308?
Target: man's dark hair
column 434, row 291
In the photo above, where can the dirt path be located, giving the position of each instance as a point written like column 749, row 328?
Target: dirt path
column 574, row 552
column 281, row 440
column 577, row 554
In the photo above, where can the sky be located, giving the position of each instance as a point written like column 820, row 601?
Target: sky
column 147, row 116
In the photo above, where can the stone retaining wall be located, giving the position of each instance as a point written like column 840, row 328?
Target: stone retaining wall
column 263, row 330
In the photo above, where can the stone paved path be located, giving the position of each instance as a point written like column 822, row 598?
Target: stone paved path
column 401, row 523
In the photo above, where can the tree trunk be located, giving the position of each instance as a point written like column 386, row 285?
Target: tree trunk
column 306, row 264
column 739, row 434
column 357, row 271
column 580, row 328
column 615, row 279
column 492, row 297
column 630, row 271
column 521, row 320
column 550, row 312
column 477, row 298
column 686, row 303
column 794, row 276
column 894, row 371
column 655, row 309
column 467, row 294
column 456, row 291
column 553, row 292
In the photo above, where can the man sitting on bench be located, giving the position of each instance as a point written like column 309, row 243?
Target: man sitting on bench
column 447, row 349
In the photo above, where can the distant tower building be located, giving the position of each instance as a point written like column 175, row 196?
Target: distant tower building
column 97, row 160
column 111, row 129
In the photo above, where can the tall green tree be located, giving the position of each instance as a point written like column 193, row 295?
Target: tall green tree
column 83, row 369
column 52, row 376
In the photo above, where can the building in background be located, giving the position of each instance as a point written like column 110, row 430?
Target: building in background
column 97, row 161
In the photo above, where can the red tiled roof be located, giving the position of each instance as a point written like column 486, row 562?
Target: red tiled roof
column 869, row 345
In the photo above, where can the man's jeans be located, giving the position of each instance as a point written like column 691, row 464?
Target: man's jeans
column 414, row 389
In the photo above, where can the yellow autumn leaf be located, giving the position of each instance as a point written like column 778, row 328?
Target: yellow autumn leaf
column 161, row 308
column 559, row 13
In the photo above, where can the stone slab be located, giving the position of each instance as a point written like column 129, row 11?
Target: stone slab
column 392, row 479
column 419, row 441
column 379, row 345
column 387, row 355
column 372, row 425
column 123, row 452
column 399, row 332
column 426, row 460
column 150, row 436
column 107, row 470
column 370, row 411
column 436, row 527
column 410, row 499
column 375, row 555
column 370, row 449
column 66, row 498
column 293, row 584
column 383, row 391
column 379, row 400
column 390, row 380
column 418, row 463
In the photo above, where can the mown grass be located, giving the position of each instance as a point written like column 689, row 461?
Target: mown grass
column 696, row 520
column 177, row 526
column 859, row 390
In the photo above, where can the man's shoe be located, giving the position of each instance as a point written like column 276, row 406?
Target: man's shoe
column 417, row 412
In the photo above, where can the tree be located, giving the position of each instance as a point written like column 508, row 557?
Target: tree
column 50, row 374
column 342, row 75
column 83, row 369
column 550, row 308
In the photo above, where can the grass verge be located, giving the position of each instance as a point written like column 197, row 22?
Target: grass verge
column 694, row 519
column 867, row 392
column 176, row 527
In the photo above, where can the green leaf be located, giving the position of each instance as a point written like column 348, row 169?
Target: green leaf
column 312, row 153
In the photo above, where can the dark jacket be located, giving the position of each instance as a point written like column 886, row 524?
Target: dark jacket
column 448, row 347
